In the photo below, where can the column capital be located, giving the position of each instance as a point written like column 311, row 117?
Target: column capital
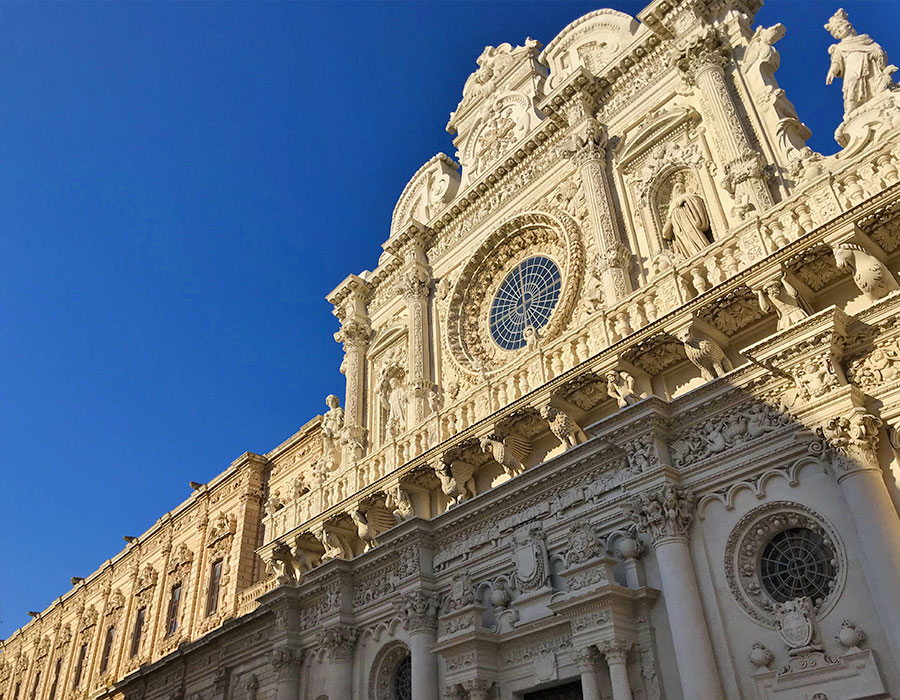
column 615, row 651
column 418, row 610
column 286, row 661
column 664, row 514
column 707, row 51
column 339, row 641
column 586, row 659
column 478, row 688
column 853, row 441
column 354, row 333
column 587, row 142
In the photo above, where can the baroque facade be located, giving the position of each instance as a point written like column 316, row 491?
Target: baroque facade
column 621, row 413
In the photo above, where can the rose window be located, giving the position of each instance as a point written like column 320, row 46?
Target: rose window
column 401, row 682
column 795, row 563
column 526, row 299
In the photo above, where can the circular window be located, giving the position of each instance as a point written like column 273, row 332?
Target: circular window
column 401, row 682
column 781, row 551
column 526, row 299
column 796, row 563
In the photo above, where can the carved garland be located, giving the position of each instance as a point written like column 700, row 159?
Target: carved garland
column 556, row 236
column 745, row 545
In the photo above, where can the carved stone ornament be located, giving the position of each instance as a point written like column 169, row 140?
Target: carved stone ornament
column 462, row 593
column 529, row 555
column 286, row 660
column 854, row 441
column 339, row 641
column 745, row 545
column 665, row 514
column 181, row 557
column 795, row 620
column 384, row 667
column 584, row 544
column 563, row 427
column 705, row 354
column 871, row 276
column 418, row 611
column 554, row 236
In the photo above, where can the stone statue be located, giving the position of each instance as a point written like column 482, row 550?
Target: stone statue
column 332, row 423
column 872, row 277
column 393, row 397
column 687, row 221
column 620, row 386
column 860, row 61
column 563, row 427
column 781, row 296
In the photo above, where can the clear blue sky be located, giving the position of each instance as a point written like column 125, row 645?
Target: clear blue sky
column 180, row 186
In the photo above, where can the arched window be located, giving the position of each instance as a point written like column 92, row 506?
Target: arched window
column 401, row 681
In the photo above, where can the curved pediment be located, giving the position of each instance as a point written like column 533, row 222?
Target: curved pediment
column 591, row 42
column 431, row 189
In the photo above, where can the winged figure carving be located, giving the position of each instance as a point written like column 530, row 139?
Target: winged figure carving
column 509, row 451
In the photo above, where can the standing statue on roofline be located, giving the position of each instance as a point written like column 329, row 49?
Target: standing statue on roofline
column 860, row 61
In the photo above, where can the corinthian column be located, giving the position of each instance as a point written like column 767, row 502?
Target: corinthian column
column 616, row 658
column 419, row 611
column 588, row 151
column 701, row 63
column 853, row 443
column 286, row 663
column 586, row 660
column 666, row 516
column 339, row 642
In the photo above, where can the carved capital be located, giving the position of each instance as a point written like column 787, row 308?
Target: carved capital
column 478, row 688
column 705, row 52
column 353, row 334
column 416, row 285
column 853, row 440
column 586, row 659
column 339, row 641
column 418, row 610
column 286, row 661
column 587, row 143
column 666, row 514
column 615, row 651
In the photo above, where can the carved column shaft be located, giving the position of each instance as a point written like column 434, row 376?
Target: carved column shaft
column 355, row 338
column 667, row 516
column 339, row 641
column 589, row 155
column 702, row 64
column 416, row 289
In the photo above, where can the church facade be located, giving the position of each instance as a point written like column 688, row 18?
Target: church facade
column 621, row 415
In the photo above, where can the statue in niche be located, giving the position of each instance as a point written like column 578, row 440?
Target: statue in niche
column 860, row 61
column 332, row 424
column 687, row 221
column 393, row 398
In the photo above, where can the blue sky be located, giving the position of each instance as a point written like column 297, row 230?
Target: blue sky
column 181, row 184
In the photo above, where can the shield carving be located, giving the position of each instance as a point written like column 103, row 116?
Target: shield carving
column 796, row 629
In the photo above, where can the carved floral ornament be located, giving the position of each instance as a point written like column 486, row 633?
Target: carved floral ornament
column 556, row 237
column 744, row 549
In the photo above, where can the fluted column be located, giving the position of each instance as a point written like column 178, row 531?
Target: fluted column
column 586, row 660
column 416, row 290
column 286, row 661
column 588, row 151
column 616, row 654
column 339, row 642
column 852, row 440
column 666, row 516
column 419, row 612
column 701, row 63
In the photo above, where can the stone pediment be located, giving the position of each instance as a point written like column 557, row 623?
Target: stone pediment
column 428, row 192
column 591, row 42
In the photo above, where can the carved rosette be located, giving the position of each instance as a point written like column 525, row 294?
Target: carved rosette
column 339, row 642
column 418, row 610
column 666, row 514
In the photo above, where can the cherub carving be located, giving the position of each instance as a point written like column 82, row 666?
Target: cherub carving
column 507, row 451
column 781, row 296
column 705, row 354
column 566, row 430
column 620, row 386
